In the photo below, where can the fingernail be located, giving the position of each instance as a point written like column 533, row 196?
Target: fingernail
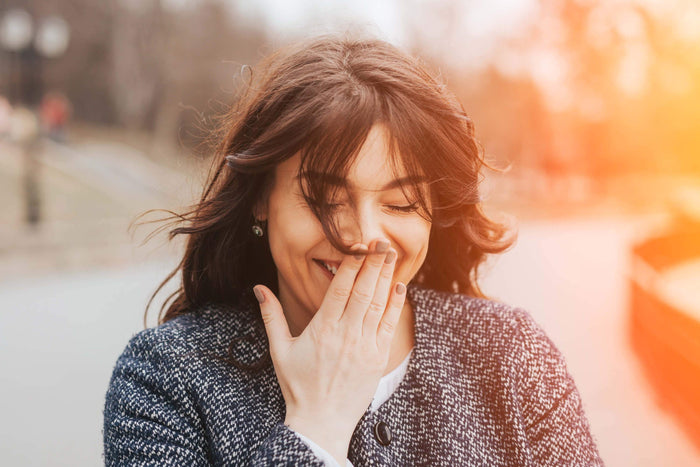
column 390, row 257
column 400, row 288
column 358, row 247
column 258, row 294
column 382, row 246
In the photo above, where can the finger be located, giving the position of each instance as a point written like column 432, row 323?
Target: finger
column 365, row 284
column 387, row 326
column 338, row 293
column 381, row 295
column 276, row 325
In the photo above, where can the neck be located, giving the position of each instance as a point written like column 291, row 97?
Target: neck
column 404, row 339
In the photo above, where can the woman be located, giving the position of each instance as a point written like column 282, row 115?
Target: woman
column 329, row 311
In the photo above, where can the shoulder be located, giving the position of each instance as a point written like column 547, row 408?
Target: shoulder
column 152, row 411
column 470, row 316
column 207, row 329
column 484, row 326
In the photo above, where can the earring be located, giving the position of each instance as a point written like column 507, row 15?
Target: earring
column 258, row 229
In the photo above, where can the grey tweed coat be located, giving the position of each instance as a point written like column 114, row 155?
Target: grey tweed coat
column 484, row 387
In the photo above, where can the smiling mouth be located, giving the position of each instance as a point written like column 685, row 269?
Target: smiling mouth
column 330, row 267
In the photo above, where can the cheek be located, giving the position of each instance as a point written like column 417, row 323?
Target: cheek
column 413, row 238
column 293, row 232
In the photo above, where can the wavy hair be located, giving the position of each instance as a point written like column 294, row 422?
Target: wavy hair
column 320, row 98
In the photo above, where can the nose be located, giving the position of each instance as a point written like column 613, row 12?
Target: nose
column 363, row 224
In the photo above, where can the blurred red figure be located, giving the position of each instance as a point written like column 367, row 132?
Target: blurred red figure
column 54, row 111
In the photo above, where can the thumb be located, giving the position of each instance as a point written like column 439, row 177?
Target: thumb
column 275, row 323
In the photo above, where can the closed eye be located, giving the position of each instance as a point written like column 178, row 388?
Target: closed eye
column 330, row 206
column 402, row 209
column 410, row 208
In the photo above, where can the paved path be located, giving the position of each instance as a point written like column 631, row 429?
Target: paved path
column 61, row 334
column 59, row 339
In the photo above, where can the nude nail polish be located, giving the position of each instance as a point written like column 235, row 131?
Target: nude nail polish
column 381, row 246
column 359, row 247
column 259, row 295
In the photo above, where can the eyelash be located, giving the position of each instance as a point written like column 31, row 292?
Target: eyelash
column 405, row 209
column 402, row 209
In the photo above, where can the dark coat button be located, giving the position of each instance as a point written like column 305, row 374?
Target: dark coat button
column 382, row 433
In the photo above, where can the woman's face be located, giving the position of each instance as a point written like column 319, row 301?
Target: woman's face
column 370, row 208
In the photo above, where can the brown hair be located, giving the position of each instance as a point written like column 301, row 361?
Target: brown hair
column 320, row 98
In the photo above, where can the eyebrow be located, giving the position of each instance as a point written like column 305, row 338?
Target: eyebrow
column 338, row 181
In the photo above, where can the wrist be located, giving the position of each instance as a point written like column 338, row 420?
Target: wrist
column 333, row 439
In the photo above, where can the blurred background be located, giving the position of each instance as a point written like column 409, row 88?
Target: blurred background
column 592, row 106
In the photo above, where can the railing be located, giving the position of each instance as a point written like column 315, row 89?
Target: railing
column 665, row 337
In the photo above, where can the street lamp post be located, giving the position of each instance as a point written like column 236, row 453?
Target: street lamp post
column 28, row 46
column 16, row 32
